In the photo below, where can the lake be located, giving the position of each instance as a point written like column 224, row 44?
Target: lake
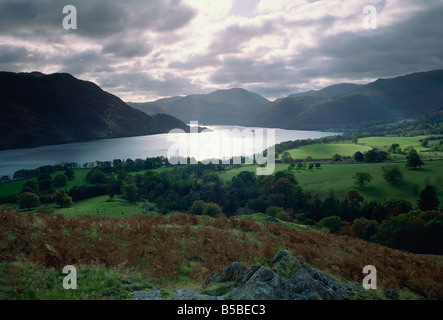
column 219, row 140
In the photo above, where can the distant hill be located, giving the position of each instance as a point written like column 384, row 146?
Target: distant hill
column 38, row 109
column 345, row 106
column 232, row 107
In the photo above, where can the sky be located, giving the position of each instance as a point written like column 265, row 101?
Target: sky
column 143, row 50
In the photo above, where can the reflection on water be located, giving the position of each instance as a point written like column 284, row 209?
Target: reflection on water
column 123, row 148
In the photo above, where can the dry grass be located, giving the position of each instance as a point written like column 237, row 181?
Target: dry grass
column 158, row 246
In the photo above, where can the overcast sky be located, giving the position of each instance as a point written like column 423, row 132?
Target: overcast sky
column 142, row 50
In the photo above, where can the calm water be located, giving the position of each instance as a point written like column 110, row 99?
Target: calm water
column 212, row 143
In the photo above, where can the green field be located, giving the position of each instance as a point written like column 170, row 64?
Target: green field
column 326, row 151
column 381, row 142
column 11, row 188
column 14, row 187
column 338, row 177
column 101, row 206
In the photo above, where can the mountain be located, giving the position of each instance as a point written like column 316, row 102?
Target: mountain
column 346, row 106
column 38, row 109
column 232, row 107
column 153, row 107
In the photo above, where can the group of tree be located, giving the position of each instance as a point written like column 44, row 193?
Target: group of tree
column 29, row 200
column 34, row 192
column 371, row 156
column 415, row 231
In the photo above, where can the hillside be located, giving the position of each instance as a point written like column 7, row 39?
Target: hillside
column 232, row 107
column 355, row 106
column 39, row 109
column 180, row 251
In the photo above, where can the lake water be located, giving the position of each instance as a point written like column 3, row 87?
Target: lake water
column 218, row 141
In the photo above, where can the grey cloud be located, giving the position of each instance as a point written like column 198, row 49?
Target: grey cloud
column 127, row 49
column 408, row 46
column 143, row 83
column 87, row 61
column 15, row 57
column 96, row 19
column 231, row 39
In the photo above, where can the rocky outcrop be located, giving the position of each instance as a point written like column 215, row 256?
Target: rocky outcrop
column 287, row 279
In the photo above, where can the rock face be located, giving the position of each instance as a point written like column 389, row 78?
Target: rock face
column 287, row 279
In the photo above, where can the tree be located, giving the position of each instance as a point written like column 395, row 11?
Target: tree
column 413, row 160
column 361, row 178
column 273, row 210
column 130, row 192
column 336, row 157
column 70, row 174
column 96, row 176
column 286, row 157
column 30, row 186
column 428, row 199
column 371, row 155
column 60, row 180
column 393, row 148
column 392, row 174
column 358, row 156
column 353, row 195
column 212, row 209
column 332, row 223
column 311, row 166
column 283, row 216
column 318, row 165
column 44, row 181
column 28, row 200
column 62, row 199
column 396, row 206
column 197, row 208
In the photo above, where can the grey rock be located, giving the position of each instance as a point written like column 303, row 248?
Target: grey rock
column 288, row 278
column 391, row 293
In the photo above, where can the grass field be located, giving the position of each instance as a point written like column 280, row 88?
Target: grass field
column 14, row 187
column 101, row 206
column 404, row 142
column 326, row 151
column 338, row 177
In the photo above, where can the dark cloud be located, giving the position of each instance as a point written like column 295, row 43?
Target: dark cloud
column 95, row 19
column 149, row 40
column 15, row 57
column 87, row 61
column 408, row 46
column 127, row 49
column 143, row 83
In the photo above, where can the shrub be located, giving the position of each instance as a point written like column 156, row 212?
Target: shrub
column 212, row 209
column 62, row 199
column 332, row 223
column 273, row 210
column 283, row 216
column 197, row 207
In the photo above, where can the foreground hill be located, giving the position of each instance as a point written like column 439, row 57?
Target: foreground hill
column 233, row 107
column 39, row 109
column 181, row 251
column 355, row 106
